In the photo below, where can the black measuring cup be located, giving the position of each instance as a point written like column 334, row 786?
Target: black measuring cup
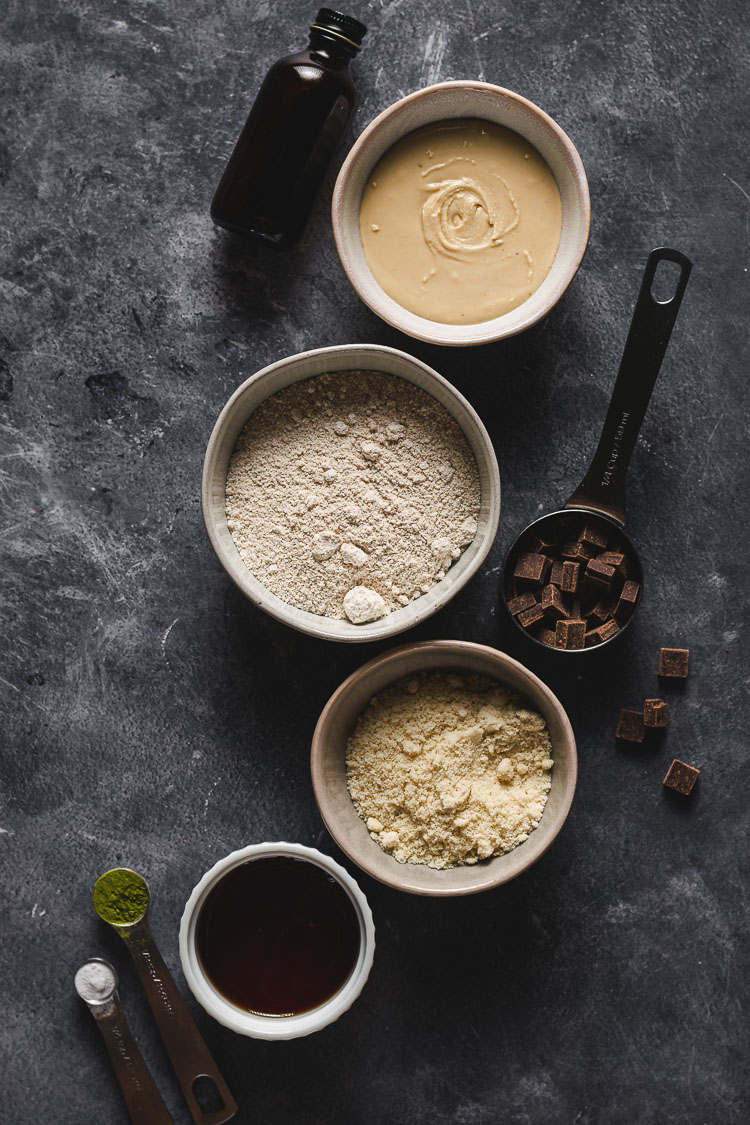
column 600, row 497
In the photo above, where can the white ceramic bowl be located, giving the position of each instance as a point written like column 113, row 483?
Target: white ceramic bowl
column 328, row 765
column 439, row 103
column 343, row 358
column 274, row 1027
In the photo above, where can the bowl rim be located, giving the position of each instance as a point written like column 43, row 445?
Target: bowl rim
column 407, row 617
column 412, row 324
column 274, row 1027
column 400, row 878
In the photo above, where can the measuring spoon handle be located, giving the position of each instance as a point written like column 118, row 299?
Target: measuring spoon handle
column 142, row 1098
column 603, row 487
column 186, row 1048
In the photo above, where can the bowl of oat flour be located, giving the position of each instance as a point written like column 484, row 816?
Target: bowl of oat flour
column 350, row 491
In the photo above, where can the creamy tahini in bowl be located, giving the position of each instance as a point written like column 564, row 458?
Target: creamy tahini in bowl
column 460, row 221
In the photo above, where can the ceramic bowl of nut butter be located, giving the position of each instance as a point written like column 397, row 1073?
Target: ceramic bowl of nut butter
column 462, row 214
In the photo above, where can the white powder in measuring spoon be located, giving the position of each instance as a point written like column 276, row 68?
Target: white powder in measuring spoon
column 351, row 494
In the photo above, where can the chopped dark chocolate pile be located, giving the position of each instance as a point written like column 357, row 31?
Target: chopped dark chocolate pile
column 630, row 727
column 681, row 777
column 578, row 572
column 655, row 713
column 673, row 663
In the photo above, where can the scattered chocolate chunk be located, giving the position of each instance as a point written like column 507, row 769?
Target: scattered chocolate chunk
column 532, row 567
column 556, row 573
column 655, row 713
column 569, row 576
column 593, row 536
column 521, row 602
column 602, row 632
column 570, row 634
column 547, row 637
column 530, row 616
column 553, row 603
column 681, row 777
column 630, row 727
column 673, row 663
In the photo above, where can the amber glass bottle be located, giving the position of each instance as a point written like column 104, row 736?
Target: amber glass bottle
column 299, row 117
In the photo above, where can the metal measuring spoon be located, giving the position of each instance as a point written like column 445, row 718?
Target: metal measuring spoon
column 600, row 497
column 124, row 892
column 96, row 984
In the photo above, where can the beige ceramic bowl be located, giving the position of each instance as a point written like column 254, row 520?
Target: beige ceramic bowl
column 344, row 358
column 328, row 761
column 438, row 103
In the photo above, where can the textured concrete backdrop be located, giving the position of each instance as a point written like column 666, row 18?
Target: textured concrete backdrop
column 153, row 718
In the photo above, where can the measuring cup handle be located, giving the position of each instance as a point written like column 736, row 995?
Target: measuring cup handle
column 142, row 1098
column 603, row 487
column 190, row 1057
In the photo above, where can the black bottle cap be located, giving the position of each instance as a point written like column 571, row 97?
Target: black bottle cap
column 343, row 27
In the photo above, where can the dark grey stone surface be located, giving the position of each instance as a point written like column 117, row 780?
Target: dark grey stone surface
column 153, row 718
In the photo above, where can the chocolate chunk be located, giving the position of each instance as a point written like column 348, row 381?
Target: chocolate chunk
column 570, row 571
column 541, row 546
column 602, row 632
column 602, row 611
column 673, row 663
column 617, row 560
column 611, row 558
column 570, row 634
column 628, row 599
column 655, row 713
column 593, row 536
column 630, row 727
column 681, row 777
column 601, row 572
column 553, row 603
column 530, row 616
column 556, row 573
column 578, row 552
column 547, row 637
column 532, row 568
column 521, row 602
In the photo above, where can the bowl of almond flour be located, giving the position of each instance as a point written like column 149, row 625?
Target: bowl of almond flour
column 444, row 768
column 350, row 491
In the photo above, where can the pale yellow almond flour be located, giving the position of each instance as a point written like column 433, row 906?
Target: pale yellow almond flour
column 448, row 769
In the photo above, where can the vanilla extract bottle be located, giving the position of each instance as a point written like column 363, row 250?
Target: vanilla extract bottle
column 294, row 128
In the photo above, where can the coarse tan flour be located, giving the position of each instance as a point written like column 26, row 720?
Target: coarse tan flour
column 351, row 494
column 447, row 769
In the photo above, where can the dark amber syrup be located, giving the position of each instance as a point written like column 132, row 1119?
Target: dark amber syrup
column 278, row 936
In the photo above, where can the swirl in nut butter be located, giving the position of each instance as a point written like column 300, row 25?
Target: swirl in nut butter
column 461, row 221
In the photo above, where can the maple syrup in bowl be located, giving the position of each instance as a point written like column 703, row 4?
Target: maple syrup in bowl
column 276, row 941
